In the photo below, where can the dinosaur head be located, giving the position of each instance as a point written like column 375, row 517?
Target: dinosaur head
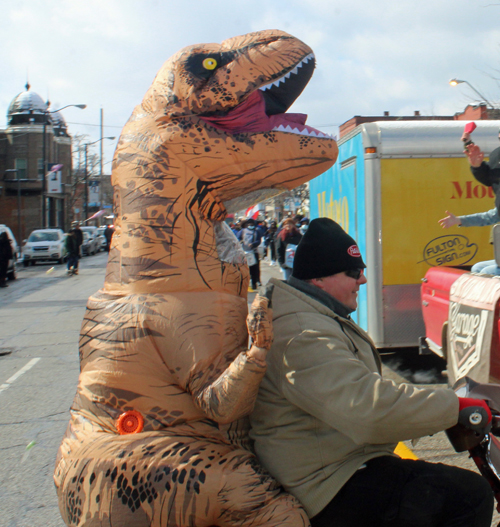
column 237, row 94
column 211, row 135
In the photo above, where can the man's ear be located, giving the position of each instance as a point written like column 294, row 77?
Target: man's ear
column 318, row 282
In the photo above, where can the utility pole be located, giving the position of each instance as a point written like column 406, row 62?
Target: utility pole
column 100, row 165
column 87, row 174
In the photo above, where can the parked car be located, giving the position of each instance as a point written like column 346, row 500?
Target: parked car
column 11, row 269
column 90, row 244
column 101, row 237
column 93, row 233
column 44, row 245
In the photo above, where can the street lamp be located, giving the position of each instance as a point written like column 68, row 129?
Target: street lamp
column 44, row 160
column 454, row 82
column 86, row 145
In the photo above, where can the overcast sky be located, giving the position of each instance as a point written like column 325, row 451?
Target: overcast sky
column 372, row 56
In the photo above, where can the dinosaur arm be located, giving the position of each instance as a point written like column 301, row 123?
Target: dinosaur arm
column 232, row 395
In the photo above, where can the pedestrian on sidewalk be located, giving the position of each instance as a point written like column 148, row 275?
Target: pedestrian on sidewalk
column 108, row 234
column 79, row 240
column 270, row 241
column 72, row 250
column 289, row 234
column 6, row 254
column 250, row 239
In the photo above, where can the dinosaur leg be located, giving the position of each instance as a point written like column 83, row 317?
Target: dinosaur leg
column 150, row 480
column 249, row 496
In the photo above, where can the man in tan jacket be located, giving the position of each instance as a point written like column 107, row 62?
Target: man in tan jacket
column 326, row 423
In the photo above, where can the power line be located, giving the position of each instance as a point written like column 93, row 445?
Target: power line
column 96, row 125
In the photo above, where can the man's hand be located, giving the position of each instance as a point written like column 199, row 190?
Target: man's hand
column 474, row 154
column 449, row 221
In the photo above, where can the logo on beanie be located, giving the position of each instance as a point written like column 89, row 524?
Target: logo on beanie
column 354, row 251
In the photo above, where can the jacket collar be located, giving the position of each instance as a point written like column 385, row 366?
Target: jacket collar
column 324, row 298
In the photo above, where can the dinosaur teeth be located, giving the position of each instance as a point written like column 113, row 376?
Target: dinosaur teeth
column 295, row 70
column 305, row 131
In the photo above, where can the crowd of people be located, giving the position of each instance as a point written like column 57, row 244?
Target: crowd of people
column 275, row 239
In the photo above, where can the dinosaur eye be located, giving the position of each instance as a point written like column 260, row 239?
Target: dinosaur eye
column 209, row 64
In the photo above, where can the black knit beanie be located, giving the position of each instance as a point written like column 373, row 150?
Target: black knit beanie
column 325, row 249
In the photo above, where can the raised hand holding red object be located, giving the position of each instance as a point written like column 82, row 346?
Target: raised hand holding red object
column 474, row 154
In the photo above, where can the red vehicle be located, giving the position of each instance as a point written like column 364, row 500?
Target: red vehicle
column 461, row 312
column 435, row 294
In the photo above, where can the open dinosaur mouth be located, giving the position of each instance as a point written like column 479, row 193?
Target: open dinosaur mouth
column 264, row 110
column 281, row 93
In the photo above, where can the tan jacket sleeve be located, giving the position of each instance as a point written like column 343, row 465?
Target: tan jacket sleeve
column 323, row 375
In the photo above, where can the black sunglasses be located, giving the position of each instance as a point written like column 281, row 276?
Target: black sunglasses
column 354, row 273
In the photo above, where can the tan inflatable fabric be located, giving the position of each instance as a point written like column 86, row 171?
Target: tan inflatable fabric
column 158, row 429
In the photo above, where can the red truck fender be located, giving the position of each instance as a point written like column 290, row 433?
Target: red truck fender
column 435, row 296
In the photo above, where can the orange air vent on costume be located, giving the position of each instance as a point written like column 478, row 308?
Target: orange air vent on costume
column 130, row 422
column 166, row 336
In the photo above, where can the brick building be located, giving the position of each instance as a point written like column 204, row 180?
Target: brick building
column 22, row 154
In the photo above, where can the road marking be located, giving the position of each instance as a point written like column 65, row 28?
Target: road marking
column 18, row 374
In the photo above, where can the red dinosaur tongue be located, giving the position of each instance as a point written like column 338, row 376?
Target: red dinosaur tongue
column 250, row 117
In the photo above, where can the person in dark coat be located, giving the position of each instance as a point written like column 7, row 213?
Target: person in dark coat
column 487, row 173
column 79, row 239
column 6, row 254
column 108, row 234
column 250, row 239
column 289, row 234
column 269, row 241
column 72, row 251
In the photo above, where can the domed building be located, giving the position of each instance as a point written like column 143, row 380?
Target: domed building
column 22, row 157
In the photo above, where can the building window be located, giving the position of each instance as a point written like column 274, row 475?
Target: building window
column 21, row 166
column 40, row 168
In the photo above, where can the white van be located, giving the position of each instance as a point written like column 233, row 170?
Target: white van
column 11, row 270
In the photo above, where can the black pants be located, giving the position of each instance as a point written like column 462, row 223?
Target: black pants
column 255, row 273
column 273, row 251
column 394, row 492
column 4, row 267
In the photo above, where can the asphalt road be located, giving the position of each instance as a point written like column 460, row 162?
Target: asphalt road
column 40, row 318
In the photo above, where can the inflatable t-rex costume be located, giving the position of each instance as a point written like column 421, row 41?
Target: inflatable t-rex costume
column 158, row 435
